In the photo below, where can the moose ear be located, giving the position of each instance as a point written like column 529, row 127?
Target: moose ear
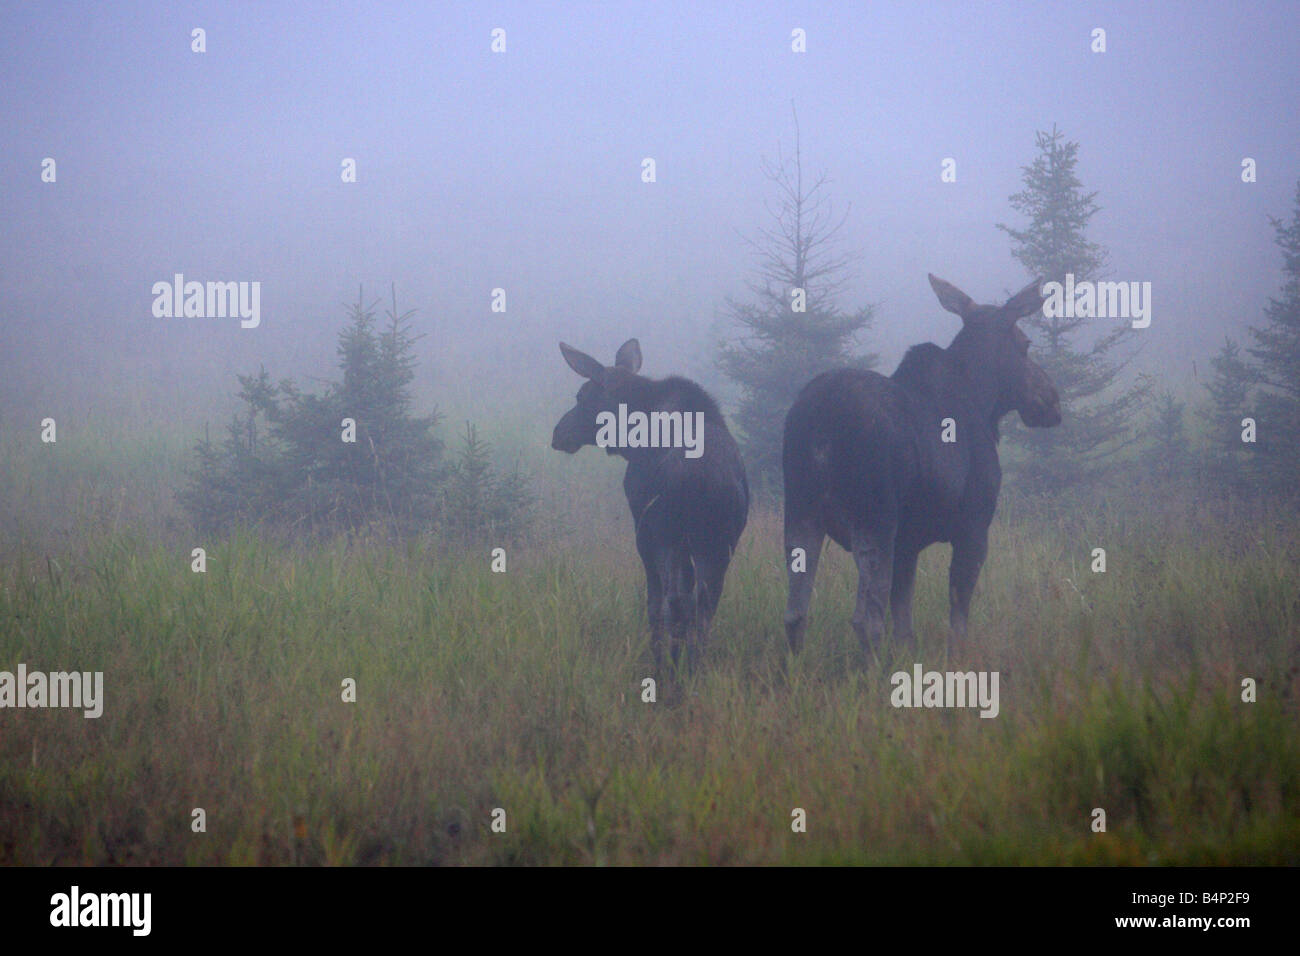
column 582, row 363
column 629, row 356
column 951, row 297
column 1025, row 302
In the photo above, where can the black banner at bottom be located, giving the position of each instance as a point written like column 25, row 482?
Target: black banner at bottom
column 606, row 907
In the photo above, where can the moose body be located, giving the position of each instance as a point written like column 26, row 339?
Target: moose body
column 889, row 466
column 689, row 504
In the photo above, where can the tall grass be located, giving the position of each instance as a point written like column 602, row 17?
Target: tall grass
column 522, row 691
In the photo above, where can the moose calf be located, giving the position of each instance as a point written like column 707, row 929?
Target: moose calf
column 685, row 485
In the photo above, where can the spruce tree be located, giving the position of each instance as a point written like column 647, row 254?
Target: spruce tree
column 1098, row 410
column 791, row 329
column 1166, row 457
column 285, row 462
column 1277, row 354
column 478, row 503
column 1229, row 460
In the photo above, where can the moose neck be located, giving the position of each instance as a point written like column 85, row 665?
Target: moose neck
column 979, row 381
column 673, row 412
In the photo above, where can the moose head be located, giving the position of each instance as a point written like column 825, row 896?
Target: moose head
column 996, row 351
column 605, row 387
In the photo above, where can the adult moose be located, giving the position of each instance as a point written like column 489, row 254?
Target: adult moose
column 888, row 466
column 685, row 485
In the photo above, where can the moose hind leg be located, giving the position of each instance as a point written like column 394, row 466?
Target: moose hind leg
column 710, row 572
column 900, row 592
column 678, row 572
column 803, row 550
column 873, row 552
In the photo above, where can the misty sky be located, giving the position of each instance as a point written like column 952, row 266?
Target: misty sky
column 522, row 170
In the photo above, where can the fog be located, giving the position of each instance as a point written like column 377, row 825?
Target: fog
column 521, row 170
column 304, row 627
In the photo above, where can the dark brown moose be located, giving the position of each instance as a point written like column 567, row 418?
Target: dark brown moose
column 888, row 466
column 689, row 504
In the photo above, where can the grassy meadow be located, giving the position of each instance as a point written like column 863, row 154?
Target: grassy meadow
column 522, row 691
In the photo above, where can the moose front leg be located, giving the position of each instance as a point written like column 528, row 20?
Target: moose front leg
column 682, row 625
column 655, row 606
column 967, row 558
column 654, row 589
